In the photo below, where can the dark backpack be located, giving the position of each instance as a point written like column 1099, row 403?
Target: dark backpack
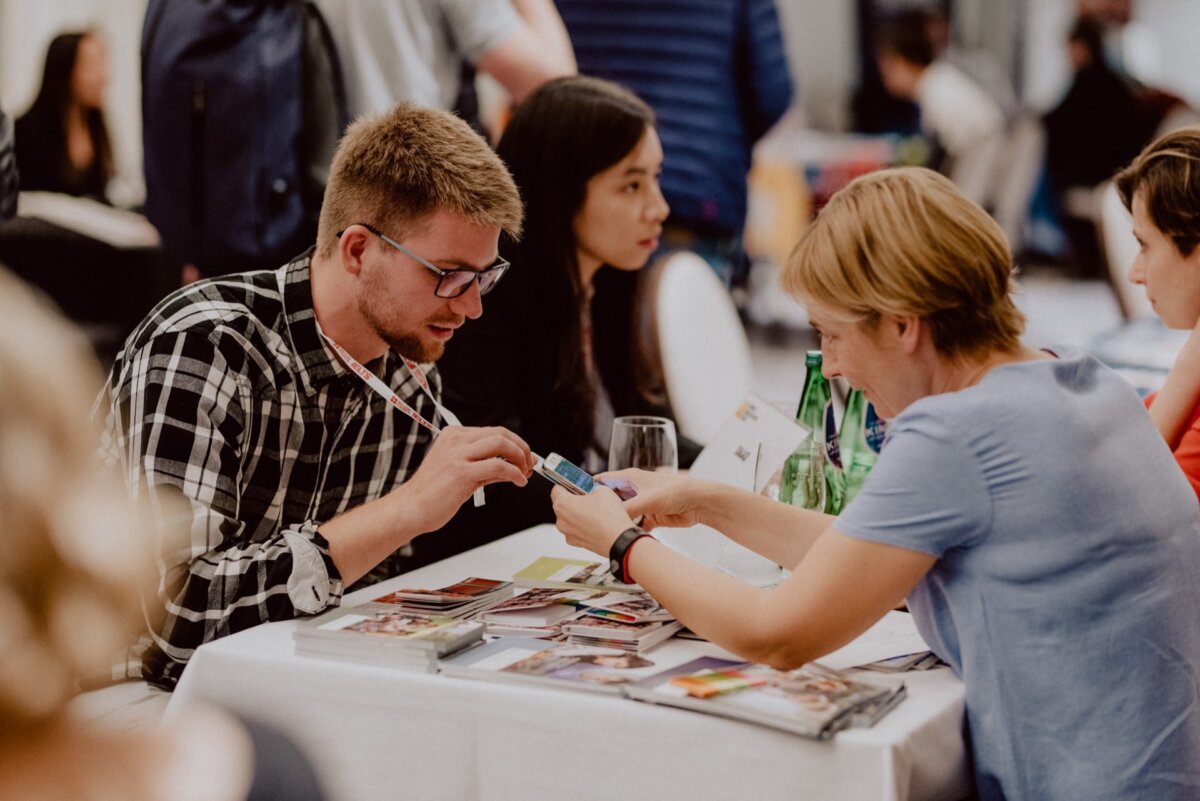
column 242, row 107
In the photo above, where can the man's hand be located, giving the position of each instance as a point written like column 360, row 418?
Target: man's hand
column 460, row 461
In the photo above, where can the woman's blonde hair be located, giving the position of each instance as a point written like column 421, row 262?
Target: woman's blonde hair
column 73, row 558
column 904, row 242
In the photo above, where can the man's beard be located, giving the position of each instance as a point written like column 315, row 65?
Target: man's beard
column 406, row 343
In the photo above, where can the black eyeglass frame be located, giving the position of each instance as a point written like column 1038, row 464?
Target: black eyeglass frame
column 483, row 277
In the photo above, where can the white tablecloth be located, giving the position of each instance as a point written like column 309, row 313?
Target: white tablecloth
column 385, row 733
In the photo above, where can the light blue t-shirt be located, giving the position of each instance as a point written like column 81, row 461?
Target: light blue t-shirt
column 1067, row 588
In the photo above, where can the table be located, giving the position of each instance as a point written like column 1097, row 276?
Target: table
column 385, row 733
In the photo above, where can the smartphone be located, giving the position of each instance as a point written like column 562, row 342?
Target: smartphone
column 566, row 475
column 577, row 480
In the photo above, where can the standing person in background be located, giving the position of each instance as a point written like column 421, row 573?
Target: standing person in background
column 716, row 74
column 965, row 122
column 558, row 356
column 1161, row 188
column 9, row 182
column 62, row 141
column 399, row 51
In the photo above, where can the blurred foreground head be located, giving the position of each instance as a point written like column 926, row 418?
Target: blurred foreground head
column 72, row 557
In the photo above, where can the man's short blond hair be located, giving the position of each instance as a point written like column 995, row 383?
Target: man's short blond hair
column 905, row 242
column 395, row 169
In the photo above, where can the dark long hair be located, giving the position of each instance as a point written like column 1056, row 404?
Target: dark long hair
column 566, row 132
column 49, row 109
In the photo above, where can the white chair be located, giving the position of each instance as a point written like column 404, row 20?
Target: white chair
column 705, row 354
column 1120, row 249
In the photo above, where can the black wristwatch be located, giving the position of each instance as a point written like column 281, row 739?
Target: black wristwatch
column 620, row 549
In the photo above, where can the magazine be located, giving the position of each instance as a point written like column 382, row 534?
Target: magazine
column 570, row 574
column 627, row 608
column 531, row 661
column 811, row 701
column 460, row 600
column 608, row 633
column 385, row 636
column 538, row 612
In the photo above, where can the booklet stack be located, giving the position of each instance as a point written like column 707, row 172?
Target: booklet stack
column 408, row 628
column 460, row 600
column 608, row 633
column 570, row 574
column 812, row 701
column 539, row 612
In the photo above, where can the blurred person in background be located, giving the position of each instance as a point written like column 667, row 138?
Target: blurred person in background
column 62, row 140
column 1023, row 506
column 558, row 355
column 395, row 51
column 716, row 75
column 75, row 561
column 1161, row 188
column 955, row 111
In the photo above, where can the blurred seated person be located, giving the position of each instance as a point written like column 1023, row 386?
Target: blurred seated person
column 1097, row 126
column 62, row 140
column 297, row 411
column 1161, row 188
column 558, row 356
column 1023, row 504
column 955, row 111
column 73, row 565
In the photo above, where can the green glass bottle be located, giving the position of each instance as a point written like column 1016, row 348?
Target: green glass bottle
column 861, row 439
column 812, row 476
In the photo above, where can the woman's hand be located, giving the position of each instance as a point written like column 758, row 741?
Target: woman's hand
column 592, row 521
column 662, row 499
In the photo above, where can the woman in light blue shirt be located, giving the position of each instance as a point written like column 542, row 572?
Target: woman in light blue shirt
column 1023, row 504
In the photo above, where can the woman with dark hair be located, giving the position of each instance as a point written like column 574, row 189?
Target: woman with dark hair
column 62, row 141
column 555, row 356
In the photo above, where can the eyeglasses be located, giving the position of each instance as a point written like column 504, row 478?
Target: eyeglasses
column 451, row 283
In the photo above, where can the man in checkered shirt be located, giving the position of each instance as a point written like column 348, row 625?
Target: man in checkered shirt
column 279, row 476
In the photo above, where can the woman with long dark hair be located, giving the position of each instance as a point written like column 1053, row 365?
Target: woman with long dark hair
column 555, row 356
column 62, row 141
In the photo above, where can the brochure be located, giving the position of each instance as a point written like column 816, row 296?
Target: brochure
column 608, row 633
column 460, row 600
column 811, row 701
column 564, row 665
column 384, row 636
column 570, row 574
column 537, row 612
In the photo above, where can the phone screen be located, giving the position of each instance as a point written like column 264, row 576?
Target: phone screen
column 575, row 476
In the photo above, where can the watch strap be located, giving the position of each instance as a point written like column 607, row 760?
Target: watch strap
column 618, row 554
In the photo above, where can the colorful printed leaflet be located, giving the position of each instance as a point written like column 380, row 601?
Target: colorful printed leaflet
column 706, row 685
column 628, row 608
column 569, row 574
column 460, row 600
column 538, row 612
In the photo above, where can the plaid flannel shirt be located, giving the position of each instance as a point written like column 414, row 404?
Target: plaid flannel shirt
column 227, row 396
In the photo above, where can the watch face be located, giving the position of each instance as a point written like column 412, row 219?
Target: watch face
column 614, row 567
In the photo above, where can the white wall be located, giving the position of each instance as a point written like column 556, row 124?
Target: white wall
column 26, row 28
column 820, row 37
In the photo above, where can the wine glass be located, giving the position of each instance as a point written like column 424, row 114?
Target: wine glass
column 645, row 442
